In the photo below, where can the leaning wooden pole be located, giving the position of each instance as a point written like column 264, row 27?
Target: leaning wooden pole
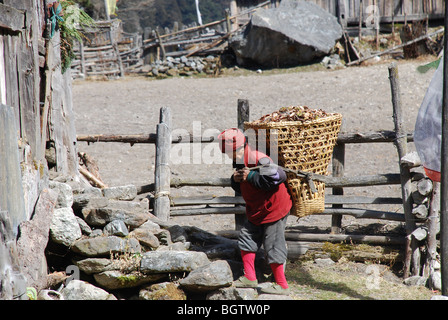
column 162, row 179
column 411, row 251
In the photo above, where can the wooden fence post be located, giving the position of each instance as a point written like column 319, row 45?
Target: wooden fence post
column 162, row 178
column 162, row 48
column 412, row 252
column 338, row 162
column 243, row 115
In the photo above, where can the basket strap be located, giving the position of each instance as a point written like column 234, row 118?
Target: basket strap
column 308, row 176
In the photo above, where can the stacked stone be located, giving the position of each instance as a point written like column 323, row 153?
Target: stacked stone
column 115, row 243
column 182, row 66
column 421, row 195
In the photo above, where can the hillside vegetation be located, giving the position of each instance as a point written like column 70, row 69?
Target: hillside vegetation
column 140, row 14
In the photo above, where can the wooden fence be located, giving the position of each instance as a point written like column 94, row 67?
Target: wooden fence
column 112, row 52
column 108, row 51
column 166, row 206
column 163, row 141
column 204, row 39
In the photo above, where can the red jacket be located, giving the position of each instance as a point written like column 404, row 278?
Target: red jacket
column 267, row 197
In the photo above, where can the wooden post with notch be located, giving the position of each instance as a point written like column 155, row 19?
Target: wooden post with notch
column 338, row 162
column 162, row 180
column 412, row 252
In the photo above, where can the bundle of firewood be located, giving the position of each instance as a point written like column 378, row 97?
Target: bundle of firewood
column 293, row 113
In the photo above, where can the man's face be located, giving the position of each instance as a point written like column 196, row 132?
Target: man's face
column 238, row 155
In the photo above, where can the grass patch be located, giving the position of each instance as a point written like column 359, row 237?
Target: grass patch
column 348, row 281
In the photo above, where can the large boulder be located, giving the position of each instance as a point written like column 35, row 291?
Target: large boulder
column 295, row 33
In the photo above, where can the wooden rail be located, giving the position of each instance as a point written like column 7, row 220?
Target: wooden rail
column 343, row 138
column 338, row 181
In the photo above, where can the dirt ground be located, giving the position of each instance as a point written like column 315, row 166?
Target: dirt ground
column 204, row 104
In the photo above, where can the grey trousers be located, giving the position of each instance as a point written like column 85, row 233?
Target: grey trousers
column 270, row 235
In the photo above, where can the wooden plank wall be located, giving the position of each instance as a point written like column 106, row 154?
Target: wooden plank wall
column 11, row 191
column 33, row 86
column 399, row 9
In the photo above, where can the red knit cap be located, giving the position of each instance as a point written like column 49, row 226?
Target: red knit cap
column 231, row 139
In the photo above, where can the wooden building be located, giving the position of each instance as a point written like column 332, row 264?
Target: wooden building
column 35, row 118
column 349, row 12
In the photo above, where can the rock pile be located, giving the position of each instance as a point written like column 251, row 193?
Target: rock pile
column 421, row 186
column 182, row 66
column 108, row 245
column 421, row 194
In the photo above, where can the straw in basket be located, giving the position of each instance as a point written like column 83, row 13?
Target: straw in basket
column 306, row 146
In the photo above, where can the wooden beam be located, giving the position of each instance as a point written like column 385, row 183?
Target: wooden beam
column 193, row 29
column 240, row 210
column 395, row 48
column 360, row 181
column 355, row 137
column 370, row 137
column 344, row 238
column 212, row 200
column 125, row 138
column 365, row 214
column 237, row 211
column 94, row 180
column 405, row 176
column 319, row 237
column 329, row 199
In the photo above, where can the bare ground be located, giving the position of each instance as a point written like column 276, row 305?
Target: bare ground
column 361, row 94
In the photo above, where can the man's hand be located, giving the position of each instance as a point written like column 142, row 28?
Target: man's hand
column 241, row 175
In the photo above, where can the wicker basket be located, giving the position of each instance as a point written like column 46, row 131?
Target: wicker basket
column 306, row 146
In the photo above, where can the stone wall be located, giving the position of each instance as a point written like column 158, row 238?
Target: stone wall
column 105, row 244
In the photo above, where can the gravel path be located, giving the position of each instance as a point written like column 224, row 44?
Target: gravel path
column 131, row 106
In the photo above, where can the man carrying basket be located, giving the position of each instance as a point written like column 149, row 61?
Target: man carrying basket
column 268, row 203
